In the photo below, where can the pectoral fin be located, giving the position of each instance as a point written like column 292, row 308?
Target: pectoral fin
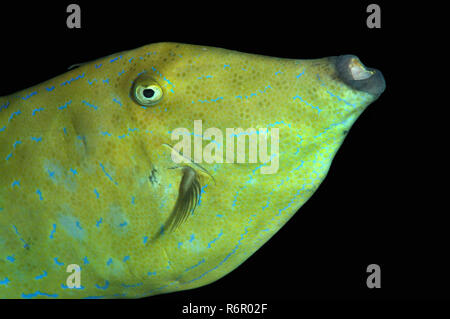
column 188, row 196
column 189, row 191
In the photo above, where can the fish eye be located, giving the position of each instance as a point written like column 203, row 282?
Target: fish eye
column 146, row 91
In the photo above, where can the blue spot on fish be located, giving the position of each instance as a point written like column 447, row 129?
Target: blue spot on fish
column 5, row 281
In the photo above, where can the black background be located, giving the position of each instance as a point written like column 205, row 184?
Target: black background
column 376, row 204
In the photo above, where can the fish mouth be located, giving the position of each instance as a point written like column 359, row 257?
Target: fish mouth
column 352, row 72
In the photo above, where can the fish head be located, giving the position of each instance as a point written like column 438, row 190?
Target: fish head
column 309, row 101
column 201, row 99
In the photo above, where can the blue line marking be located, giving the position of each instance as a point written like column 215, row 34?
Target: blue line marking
column 103, row 287
column 39, row 194
column 196, row 265
column 57, row 262
column 109, row 262
column 115, row 59
column 12, row 115
column 29, row 95
column 65, row 105
column 73, row 79
column 107, row 175
column 97, row 194
column 41, row 276
column 36, row 139
column 38, row 293
column 66, row 287
column 215, row 239
column 300, row 74
column 117, row 101
column 15, row 183
column 314, row 107
column 21, row 239
column 53, row 231
column 99, row 222
column 50, row 88
column 85, row 260
column 90, row 105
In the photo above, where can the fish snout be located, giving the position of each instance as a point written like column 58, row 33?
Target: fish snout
column 353, row 73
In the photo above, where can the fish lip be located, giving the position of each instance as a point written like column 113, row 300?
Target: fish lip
column 373, row 84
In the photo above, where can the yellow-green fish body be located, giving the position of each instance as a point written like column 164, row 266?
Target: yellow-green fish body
column 87, row 174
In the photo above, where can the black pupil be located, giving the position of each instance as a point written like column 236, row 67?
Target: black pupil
column 148, row 93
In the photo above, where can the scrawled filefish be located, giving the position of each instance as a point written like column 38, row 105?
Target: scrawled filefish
column 165, row 167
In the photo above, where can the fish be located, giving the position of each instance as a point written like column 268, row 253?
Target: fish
column 165, row 167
